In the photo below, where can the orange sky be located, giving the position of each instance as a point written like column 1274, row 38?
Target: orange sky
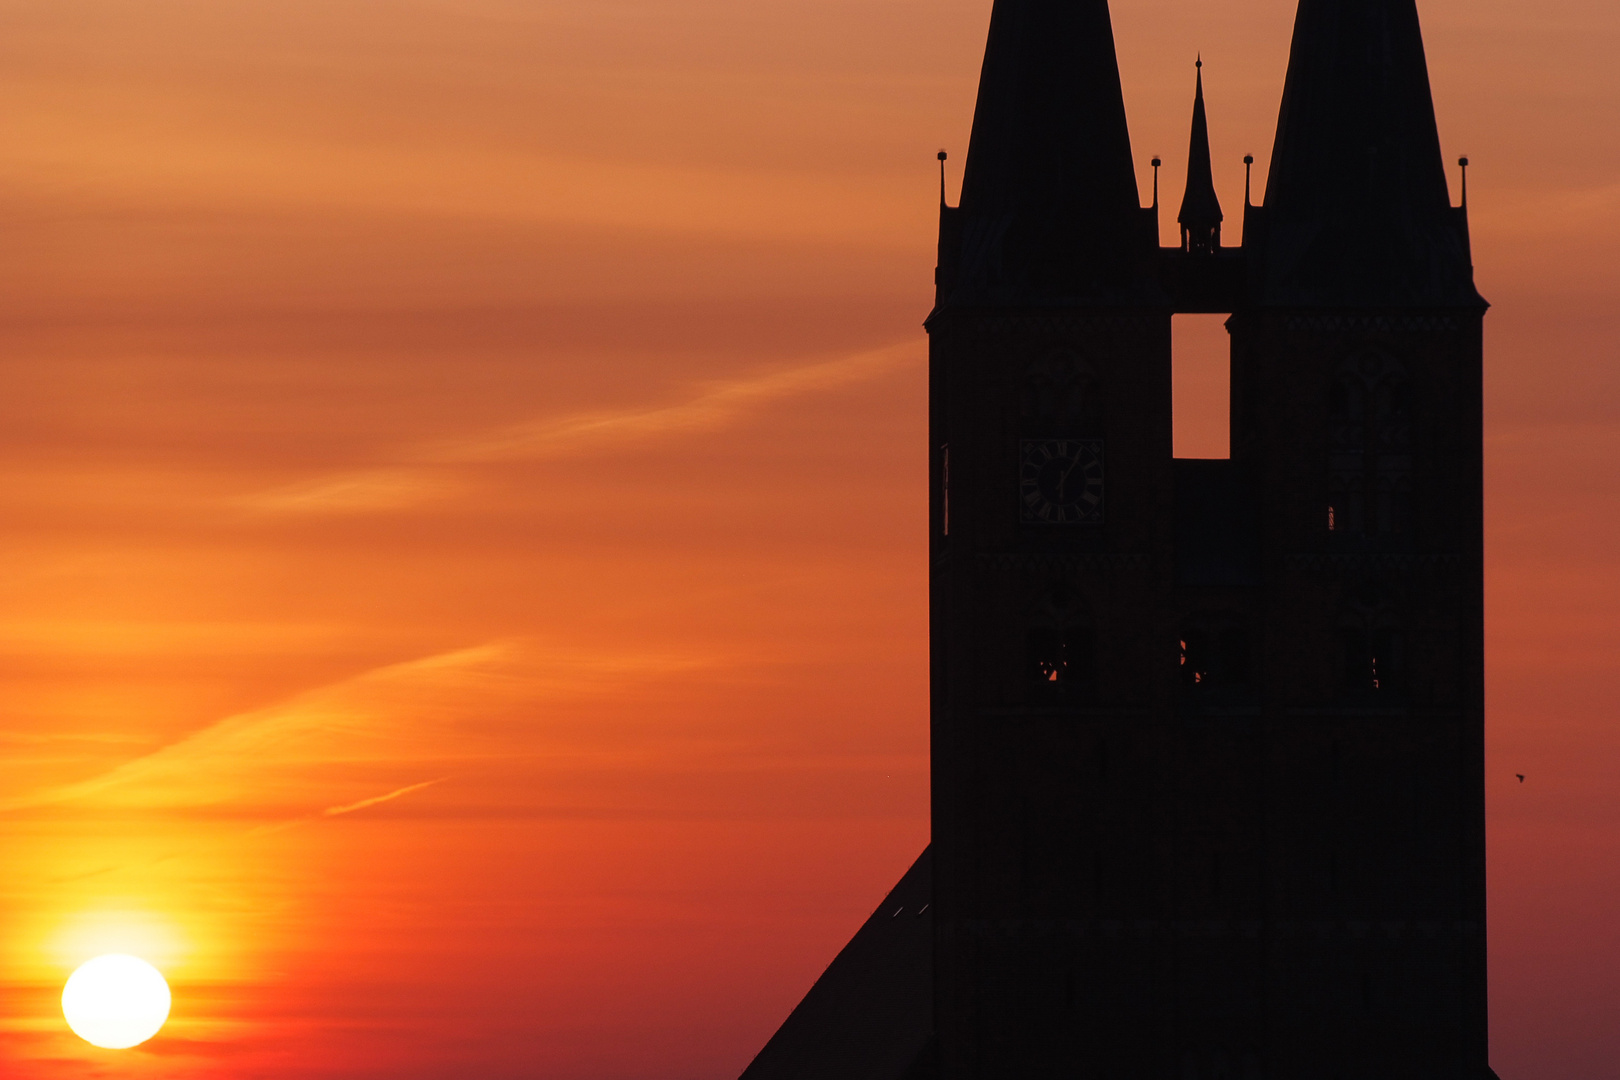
column 461, row 501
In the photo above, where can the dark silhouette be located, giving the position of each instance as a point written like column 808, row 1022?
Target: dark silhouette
column 1356, row 207
column 1049, row 213
column 1200, row 216
column 1208, row 769
column 870, row 1016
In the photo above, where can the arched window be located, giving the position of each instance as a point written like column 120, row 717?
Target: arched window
column 1060, row 649
column 1349, row 410
column 1061, row 397
column 1394, row 503
column 1369, row 449
column 1347, row 500
column 1370, row 652
column 1216, row 656
column 1392, row 412
column 1369, row 659
column 1061, row 661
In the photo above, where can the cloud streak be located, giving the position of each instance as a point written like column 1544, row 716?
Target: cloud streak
column 367, row 720
column 349, row 808
column 439, row 470
column 378, row 800
column 444, row 712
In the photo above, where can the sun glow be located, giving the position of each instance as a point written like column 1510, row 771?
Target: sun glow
column 116, row 1001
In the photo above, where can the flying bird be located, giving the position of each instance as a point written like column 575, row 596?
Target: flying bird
column 1520, row 775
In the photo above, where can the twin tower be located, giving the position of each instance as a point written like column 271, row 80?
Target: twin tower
column 1208, row 735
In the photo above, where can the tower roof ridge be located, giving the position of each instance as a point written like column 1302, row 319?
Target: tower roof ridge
column 1050, row 207
column 1357, row 212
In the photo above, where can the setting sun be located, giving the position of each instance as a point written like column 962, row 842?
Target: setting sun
column 468, row 548
column 116, row 1001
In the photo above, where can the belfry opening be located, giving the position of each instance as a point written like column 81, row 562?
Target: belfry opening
column 1201, row 386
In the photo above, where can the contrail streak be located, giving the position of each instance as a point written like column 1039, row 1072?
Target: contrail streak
column 334, row 811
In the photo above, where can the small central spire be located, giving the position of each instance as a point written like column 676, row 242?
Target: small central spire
column 1200, row 215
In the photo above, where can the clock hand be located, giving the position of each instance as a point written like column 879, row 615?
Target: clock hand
column 1063, row 481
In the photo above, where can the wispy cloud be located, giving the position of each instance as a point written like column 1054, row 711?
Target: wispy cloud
column 423, row 473
column 377, row 800
column 349, row 808
column 55, row 149
column 319, row 748
column 715, row 406
column 1543, row 212
column 359, row 492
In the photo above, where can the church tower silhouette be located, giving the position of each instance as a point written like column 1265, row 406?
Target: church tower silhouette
column 1208, row 735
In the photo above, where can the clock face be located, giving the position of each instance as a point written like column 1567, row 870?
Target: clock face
column 1061, row 481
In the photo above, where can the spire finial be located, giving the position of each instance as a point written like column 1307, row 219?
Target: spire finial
column 1248, row 179
column 942, row 156
column 1200, row 215
column 1156, row 164
column 1463, row 162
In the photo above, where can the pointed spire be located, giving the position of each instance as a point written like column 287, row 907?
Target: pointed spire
column 1051, row 211
column 1357, row 213
column 1200, row 215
